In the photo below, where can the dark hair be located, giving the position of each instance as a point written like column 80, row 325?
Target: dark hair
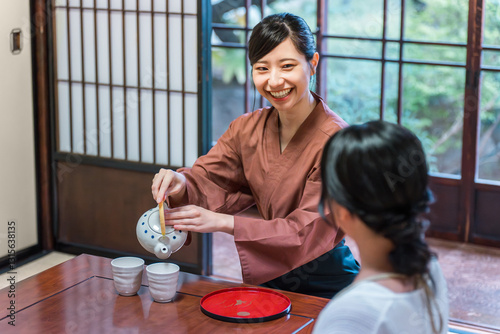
column 378, row 171
column 274, row 29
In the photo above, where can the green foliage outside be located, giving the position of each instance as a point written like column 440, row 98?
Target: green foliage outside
column 432, row 96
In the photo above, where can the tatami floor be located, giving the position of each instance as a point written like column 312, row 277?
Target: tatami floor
column 36, row 266
column 472, row 273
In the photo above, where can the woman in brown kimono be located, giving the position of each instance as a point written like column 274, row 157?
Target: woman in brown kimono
column 270, row 158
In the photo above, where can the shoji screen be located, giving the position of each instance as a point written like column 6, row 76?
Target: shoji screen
column 126, row 80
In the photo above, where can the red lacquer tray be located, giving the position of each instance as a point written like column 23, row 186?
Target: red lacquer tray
column 245, row 304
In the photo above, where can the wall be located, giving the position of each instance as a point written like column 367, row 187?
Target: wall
column 17, row 155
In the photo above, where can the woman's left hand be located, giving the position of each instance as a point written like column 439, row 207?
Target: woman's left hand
column 197, row 219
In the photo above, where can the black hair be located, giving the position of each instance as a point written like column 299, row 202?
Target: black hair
column 274, row 29
column 378, row 171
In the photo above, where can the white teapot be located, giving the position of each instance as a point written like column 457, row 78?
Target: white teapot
column 150, row 237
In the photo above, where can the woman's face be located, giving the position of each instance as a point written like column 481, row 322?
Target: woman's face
column 282, row 76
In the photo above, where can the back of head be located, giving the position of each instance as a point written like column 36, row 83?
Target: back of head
column 378, row 171
column 274, row 29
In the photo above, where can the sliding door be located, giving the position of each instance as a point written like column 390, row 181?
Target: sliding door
column 127, row 83
column 485, row 90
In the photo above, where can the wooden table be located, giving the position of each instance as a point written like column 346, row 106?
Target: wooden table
column 78, row 296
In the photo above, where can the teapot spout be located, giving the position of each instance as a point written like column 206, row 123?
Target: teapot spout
column 162, row 251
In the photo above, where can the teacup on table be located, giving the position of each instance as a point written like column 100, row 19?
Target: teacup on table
column 163, row 278
column 127, row 274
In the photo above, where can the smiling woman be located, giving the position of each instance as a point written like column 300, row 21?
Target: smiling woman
column 282, row 76
column 269, row 158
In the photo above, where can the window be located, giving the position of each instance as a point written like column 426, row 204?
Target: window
column 378, row 60
column 432, row 66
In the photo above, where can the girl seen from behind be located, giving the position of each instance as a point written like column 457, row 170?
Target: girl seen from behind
column 375, row 183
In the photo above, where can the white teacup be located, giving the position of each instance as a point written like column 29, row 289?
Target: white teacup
column 127, row 274
column 163, row 278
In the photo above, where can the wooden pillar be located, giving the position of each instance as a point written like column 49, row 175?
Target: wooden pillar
column 43, row 146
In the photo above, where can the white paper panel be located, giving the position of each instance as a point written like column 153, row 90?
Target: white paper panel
column 190, row 6
column 160, row 51
column 91, row 119
column 176, row 129
column 77, row 113
column 145, row 49
column 116, row 4
column 118, row 123
column 190, row 54
column 147, row 126
column 145, row 5
column 89, row 46
column 63, row 117
column 88, row 3
column 114, row 127
column 62, row 44
column 131, row 4
column 75, row 44
column 160, row 5
column 174, row 6
column 102, row 4
column 103, row 47
column 161, row 127
column 132, row 105
column 191, row 131
column 104, row 121
column 74, row 3
column 131, row 48
column 60, row 2
column 116, row 48
column 175, row 51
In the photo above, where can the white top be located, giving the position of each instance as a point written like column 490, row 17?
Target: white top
column 367, row 307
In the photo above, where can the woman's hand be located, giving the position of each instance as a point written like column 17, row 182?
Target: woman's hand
column 167, row 182
column 197, row 219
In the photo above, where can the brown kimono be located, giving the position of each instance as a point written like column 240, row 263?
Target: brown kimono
column 246, row 167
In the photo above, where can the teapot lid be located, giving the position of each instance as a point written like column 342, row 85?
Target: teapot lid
column 154, row 222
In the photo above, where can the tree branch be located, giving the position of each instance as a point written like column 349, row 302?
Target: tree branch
column 487, row 135
column 456, row 126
